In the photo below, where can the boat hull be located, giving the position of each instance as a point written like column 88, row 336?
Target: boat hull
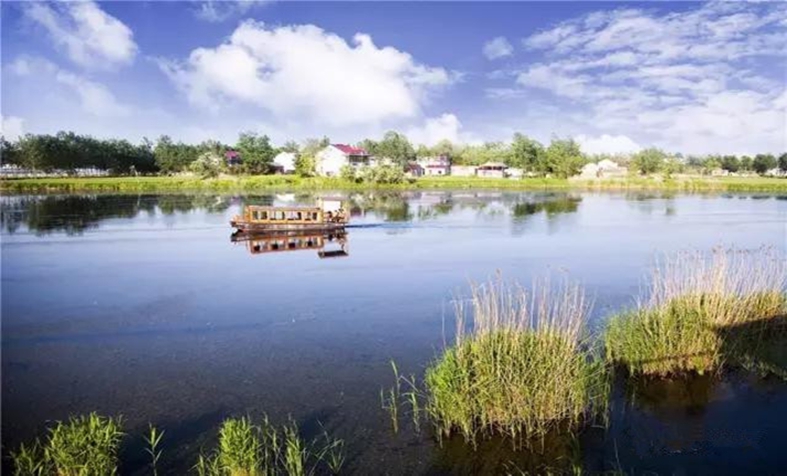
column 251, row 227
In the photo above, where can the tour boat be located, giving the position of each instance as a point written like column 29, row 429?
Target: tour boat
column 328, row 215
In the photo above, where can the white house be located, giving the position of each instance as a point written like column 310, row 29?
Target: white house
column 331, row 159
column 284, row 162
column 440, row 165
column 604, row 168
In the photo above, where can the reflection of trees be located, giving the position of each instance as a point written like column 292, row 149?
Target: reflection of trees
column 393, row 206
column 549, row 206
column 646, row 201
column 73, row 214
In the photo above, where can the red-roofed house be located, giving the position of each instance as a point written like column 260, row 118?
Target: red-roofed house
column 331, row 159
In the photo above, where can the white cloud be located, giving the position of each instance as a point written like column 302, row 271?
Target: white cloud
column 435, row 129
column 699, row 80
column 498, row 48
column 216, row 11
column 607, row 144
column 89, row 36
column 94, row 98
column 12, row 127
column 304, row 71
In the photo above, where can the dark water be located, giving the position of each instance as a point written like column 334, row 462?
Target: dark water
column 142, row 306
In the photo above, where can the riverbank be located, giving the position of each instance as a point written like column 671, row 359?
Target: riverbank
column 290, row 182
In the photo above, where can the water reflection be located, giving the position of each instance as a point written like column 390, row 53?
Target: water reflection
column 334, row 244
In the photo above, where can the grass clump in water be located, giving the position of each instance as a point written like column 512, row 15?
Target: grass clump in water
column 703, row 309
column 519, row 366
column 82, row 446
column 246, row 449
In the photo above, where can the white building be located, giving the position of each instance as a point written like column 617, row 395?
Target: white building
column 331, row 159
column 284, row 162
column 440, row 165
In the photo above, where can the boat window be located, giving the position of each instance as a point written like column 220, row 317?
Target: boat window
column 263, row 215
column 299, row 216
column 280, row 215
column 314, row 216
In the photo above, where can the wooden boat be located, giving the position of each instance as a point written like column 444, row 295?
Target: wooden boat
column 329, row 215
column 328, row 244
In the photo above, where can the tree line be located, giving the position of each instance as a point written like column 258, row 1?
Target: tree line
column 67, row 151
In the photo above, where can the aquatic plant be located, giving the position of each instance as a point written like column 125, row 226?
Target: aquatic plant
column 153, row 439
column 702, row 310
column 261, row 450
column 519, row 367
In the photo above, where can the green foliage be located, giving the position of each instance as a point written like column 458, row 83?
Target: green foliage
column 747, row 163
column 730, row 163
column 783, row 162
column 710, row 163
column 695, row 300
column 208, row 165
column 563, row 158
column 382, row 174
column 153, row 440
column 348, row 173
column 763, row 163
column 246, row 449
column 648, row 161
column 526, row 154
column 173, row 157
column 393, row 146
column 256, row 152
column 305, row 166
column 312, row 146
column 522, row 371
column 82, row 446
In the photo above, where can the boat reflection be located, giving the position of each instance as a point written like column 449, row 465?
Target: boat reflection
column 328, row 244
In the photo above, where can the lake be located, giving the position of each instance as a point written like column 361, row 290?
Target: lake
column 142, row 305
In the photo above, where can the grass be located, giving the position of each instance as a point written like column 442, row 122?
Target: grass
column 291, row 182
column 518, row 367
column 702, row 310
column 82, row 446
column 246, row 449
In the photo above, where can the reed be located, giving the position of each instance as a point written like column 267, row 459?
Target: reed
column 153, row 440
column 519, row 365
column 246, row 449
column 701, row 310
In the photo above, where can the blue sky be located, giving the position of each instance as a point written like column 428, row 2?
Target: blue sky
column 689, row 77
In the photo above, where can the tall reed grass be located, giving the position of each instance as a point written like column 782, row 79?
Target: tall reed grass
column 701, row 310
column 519, row 366
column 246, row 449
column 82, row 446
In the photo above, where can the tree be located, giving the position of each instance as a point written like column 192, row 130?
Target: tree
column 291, row 146
column 256, row 152
column 208, row 164
column 746, row 163
column 648, row 161
column 783, row 162
column 444, row 147
column 526, row 154
column 563, row 158
column 312, row 146
column 305, row 166
column 763, row 163
column 173, row 157
column 395, row 147
column 730, row 163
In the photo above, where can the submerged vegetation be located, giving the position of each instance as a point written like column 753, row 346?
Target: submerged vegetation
column 702, row 311
column 520, row 366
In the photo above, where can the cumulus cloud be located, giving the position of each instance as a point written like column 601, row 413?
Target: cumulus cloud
column 305, row 71
column 607, row 144
column 498, row 48
column 436, row 129
column 94, row 98
column 89, row 36
column 699, row 80
column 12, row 127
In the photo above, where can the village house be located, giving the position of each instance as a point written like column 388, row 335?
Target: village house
column 492, row 169
column 332, row 158
column 440, row 165
column 603, row 169
column 284, row 162
column 232, row 157
column 413, row 169
column 463, row 170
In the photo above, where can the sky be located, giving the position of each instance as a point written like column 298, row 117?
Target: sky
column 696, row 78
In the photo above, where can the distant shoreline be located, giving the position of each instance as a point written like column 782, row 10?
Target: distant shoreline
column 291, row 182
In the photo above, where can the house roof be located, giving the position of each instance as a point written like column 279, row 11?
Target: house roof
column 350, row 150
column 493, row 165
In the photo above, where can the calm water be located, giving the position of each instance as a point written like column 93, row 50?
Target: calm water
column 143, row 306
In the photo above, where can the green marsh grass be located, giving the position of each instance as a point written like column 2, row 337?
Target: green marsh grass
column 702, row 310
column 153, row 440
column 246, row 449
column 82, row 446
column 520, row 365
